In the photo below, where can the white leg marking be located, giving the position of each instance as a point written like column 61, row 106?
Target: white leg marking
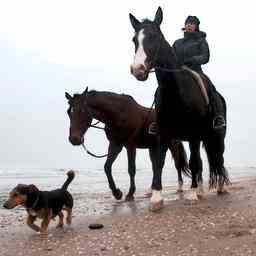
column 192, row 195
column 140, row 55
column 200, row 189
column 156, row 196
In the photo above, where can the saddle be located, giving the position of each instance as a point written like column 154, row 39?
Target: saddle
column 201, row 81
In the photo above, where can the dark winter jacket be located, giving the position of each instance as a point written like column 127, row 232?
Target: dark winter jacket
column 192, row 50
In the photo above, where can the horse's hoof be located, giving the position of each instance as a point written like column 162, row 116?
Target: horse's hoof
column 59, row 226
column 222, row 192
column 118, row 194
column 192, row 195
column 129, row 198
column 156, row 206
column 200, row 196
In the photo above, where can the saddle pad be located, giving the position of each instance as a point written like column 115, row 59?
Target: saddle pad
column 200, row 82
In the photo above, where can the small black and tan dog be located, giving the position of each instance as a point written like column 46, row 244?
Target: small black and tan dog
column 45, row 205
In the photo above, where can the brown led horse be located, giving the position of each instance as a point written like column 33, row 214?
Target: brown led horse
column 126, row 125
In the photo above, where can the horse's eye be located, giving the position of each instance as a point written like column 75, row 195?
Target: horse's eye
column 133, row 39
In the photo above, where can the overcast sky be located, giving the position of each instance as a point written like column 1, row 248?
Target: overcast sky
column 49, row 47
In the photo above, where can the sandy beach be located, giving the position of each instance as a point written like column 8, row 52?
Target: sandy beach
column 215, row 225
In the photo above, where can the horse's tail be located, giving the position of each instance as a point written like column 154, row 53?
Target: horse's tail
column 214, row 147
column 180, row 157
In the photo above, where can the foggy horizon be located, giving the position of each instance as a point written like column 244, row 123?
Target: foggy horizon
column 46, row 50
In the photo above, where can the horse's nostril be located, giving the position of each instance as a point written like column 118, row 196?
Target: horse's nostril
column 141, row 68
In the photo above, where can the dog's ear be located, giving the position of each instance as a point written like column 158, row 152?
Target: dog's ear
column 32, row 189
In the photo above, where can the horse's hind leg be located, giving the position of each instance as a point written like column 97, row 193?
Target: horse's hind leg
column 113, row 152
column 195, row 165
column 214, row 146
column 180, row 160
column 131, row 155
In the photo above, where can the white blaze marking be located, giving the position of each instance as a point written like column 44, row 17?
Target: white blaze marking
column 140, row 55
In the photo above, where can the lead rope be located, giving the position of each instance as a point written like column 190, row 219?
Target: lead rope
column 92, row 154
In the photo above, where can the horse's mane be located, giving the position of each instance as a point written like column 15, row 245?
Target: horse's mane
column 146, row 22
column 111, row 94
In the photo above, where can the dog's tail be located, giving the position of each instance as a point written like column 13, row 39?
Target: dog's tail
column 71, row 175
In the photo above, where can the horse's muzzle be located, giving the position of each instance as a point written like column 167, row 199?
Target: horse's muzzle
column 140, row 72
column 76, row 141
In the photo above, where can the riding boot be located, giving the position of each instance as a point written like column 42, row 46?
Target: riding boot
column 152, row 129
column 218, row 119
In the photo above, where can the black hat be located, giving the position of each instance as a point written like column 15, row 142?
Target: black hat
column 193, row 20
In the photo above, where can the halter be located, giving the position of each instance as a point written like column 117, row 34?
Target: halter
column 173, row 70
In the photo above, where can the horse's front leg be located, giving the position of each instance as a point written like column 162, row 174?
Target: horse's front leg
column 113, row 152
column 157, row 156
column 131, row 155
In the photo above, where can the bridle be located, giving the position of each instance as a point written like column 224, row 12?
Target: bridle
column 153, row 63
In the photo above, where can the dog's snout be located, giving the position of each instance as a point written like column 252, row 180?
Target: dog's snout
column 5, row 205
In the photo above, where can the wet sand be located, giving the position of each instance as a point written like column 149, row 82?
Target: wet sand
column 215, row 225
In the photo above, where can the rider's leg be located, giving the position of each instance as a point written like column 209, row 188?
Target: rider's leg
column 218, row 118
column 152, row 129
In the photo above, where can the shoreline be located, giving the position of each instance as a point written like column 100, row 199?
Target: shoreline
column 216, row 225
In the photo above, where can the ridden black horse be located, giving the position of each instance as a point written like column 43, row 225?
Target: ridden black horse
column 181, row 110
column 126, row 125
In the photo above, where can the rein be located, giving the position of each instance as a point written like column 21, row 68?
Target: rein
column 166, row 70
column 88, row 151
column 92, row 154
column 97, row 127
column 173, row 70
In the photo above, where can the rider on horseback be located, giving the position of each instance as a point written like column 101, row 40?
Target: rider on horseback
column 192, row 51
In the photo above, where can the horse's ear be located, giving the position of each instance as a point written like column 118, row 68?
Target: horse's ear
column 68, row 96
column 159, row 16
column 85, row 91
column 135, row 23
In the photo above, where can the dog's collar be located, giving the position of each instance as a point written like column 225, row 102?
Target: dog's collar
column 34, row 204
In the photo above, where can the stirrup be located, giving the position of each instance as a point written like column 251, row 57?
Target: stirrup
column 152, row 131
column 219, row 126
